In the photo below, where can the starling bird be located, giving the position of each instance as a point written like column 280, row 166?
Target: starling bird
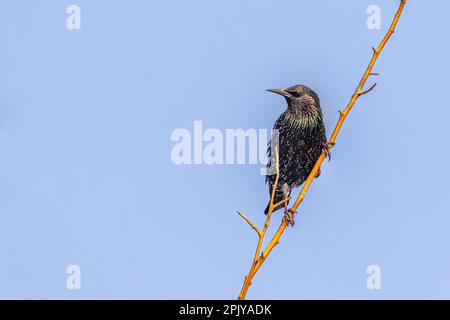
column 301, row 140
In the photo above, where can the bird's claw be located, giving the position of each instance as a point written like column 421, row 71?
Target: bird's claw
column 327, row 149
column 318, row 173
column 289, row 216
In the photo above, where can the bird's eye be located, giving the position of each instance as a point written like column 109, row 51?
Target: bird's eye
column 294, row 93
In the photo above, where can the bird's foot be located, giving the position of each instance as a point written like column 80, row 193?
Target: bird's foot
column 289, row 216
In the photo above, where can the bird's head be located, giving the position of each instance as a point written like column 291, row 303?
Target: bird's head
column 299, row 97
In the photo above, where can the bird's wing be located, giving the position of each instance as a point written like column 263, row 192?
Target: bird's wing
column 279, row 142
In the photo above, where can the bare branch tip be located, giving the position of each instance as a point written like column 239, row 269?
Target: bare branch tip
column 251, row 224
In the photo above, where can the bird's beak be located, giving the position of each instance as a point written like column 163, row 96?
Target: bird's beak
column 282, row 92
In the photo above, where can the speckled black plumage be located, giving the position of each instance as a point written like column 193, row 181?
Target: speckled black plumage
column 301, row 140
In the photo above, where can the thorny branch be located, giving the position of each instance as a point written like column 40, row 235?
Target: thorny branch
column 260, row 256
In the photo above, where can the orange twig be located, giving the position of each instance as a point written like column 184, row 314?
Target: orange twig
column 260, row 256
column 255, row 264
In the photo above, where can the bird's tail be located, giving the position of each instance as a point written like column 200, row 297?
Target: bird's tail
column 266, row 211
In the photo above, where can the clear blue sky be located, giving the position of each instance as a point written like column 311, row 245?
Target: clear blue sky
column 86, row 176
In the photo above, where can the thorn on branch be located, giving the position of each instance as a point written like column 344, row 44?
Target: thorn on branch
column 368, row 90
column 374, row 74
column 375, row 51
